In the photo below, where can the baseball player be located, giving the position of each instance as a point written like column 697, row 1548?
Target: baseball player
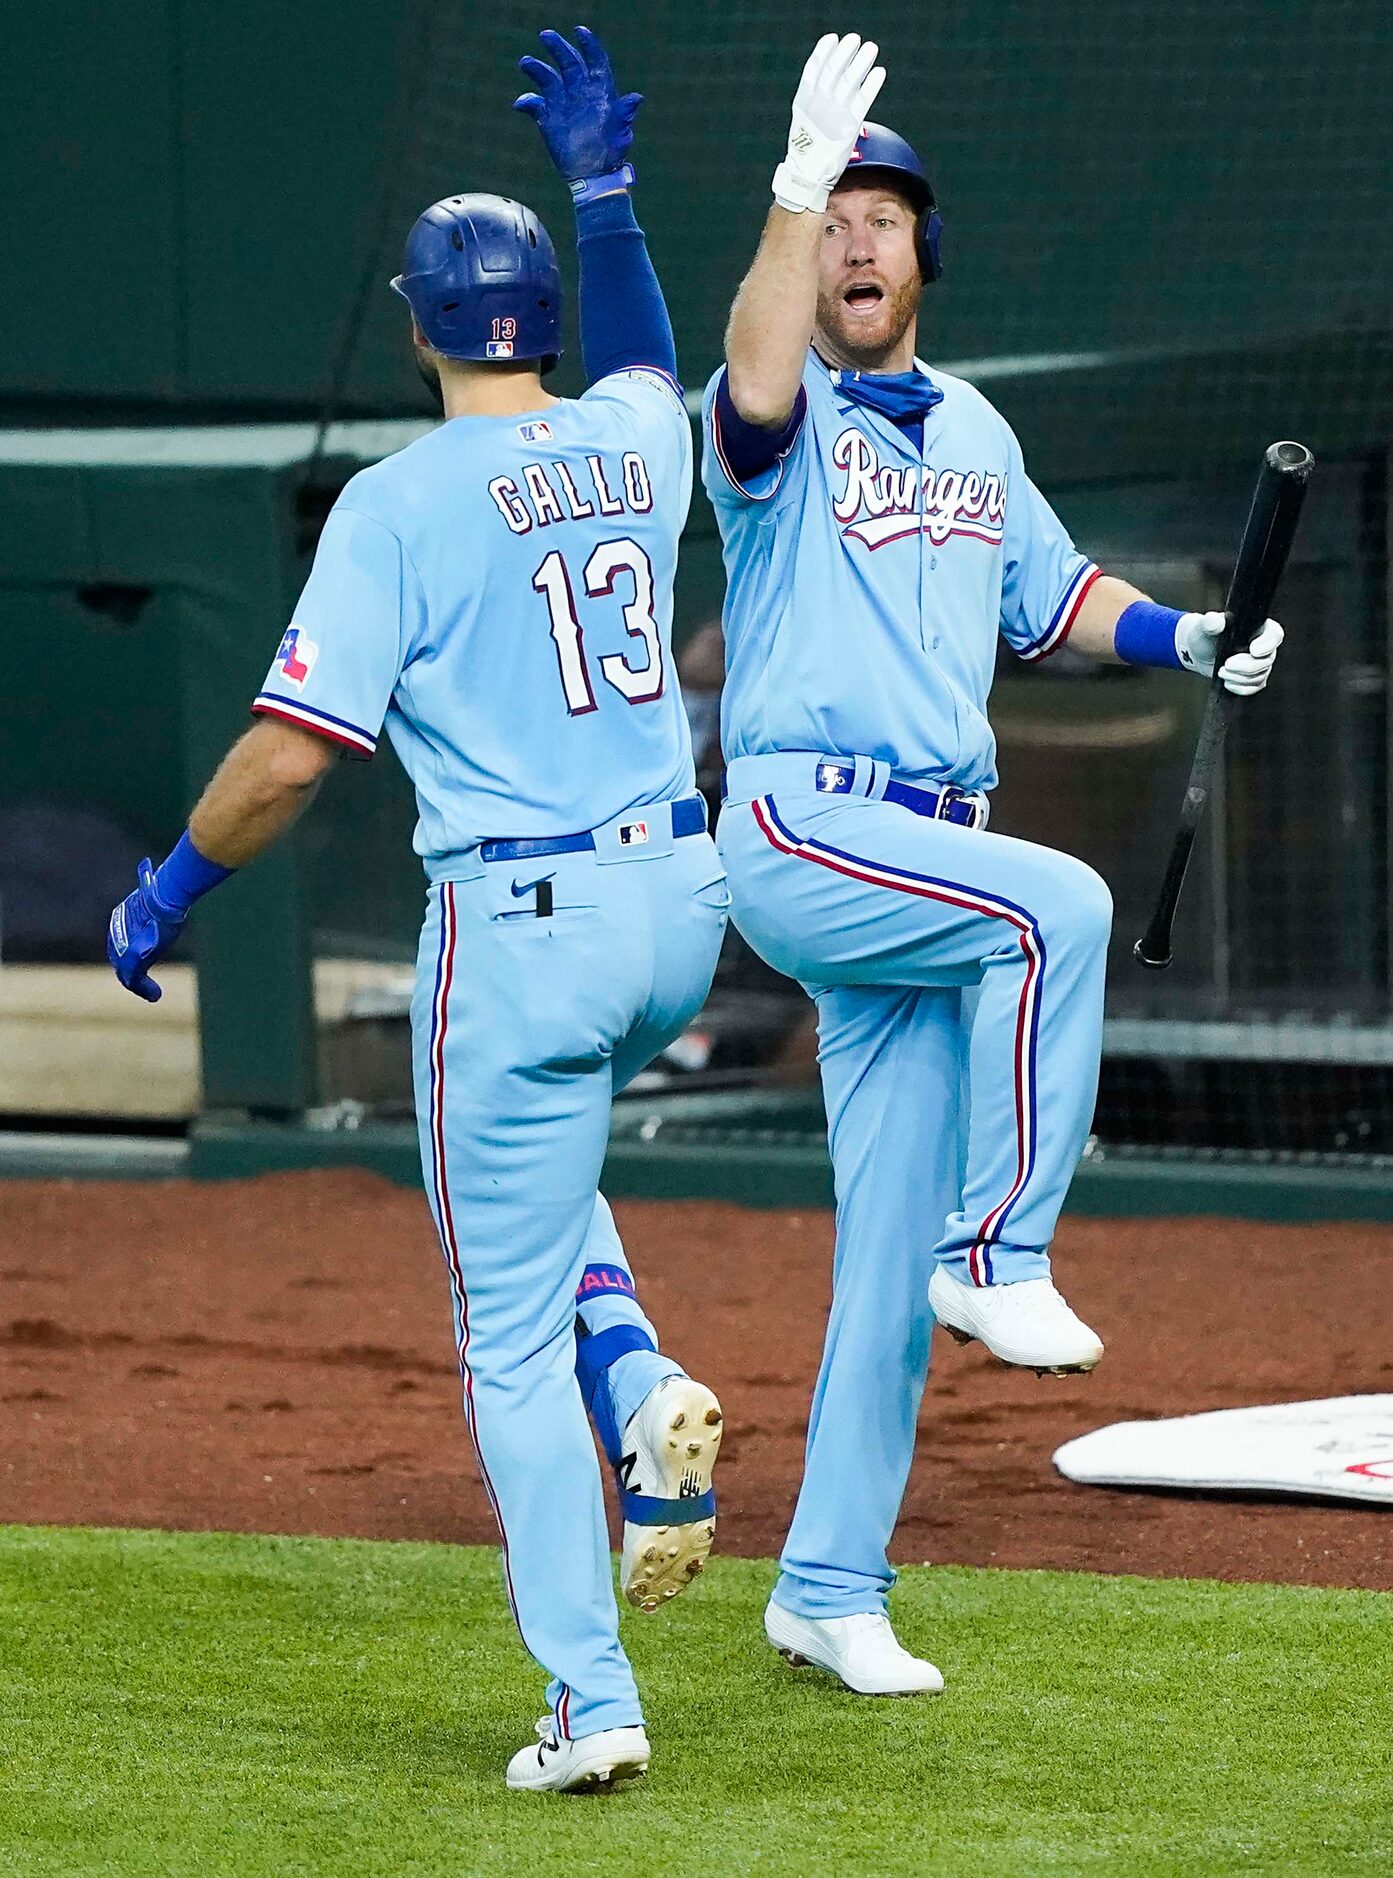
column 879, row 532
column 500, row 595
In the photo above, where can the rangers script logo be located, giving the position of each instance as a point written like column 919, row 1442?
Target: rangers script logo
column 878, row 504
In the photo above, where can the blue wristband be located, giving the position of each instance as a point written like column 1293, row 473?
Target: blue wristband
column 1145, row 635
column 611, row 214
column 588, row 188
column 186, row 876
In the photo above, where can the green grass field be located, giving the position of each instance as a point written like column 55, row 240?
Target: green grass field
column 209, row 1704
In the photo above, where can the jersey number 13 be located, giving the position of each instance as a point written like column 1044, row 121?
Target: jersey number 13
column 637, row 684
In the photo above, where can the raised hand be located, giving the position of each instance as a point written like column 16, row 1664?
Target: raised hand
column 840, row 83
column 586, row 127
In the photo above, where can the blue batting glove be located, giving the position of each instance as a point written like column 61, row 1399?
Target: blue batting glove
column 585, row 126
column 142, row 930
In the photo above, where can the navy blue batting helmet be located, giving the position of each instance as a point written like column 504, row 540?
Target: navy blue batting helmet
column 480, row 275
column 880, row 149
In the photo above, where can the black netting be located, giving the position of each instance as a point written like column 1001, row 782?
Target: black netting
column 1169, row 241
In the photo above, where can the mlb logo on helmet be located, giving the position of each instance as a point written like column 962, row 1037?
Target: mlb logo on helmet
column 296, row 655
column 632, row 834
column 499, row 349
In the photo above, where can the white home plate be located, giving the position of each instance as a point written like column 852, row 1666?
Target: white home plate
column 1340, row 1449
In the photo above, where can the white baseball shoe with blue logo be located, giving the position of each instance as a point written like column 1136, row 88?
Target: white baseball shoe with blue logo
column 669, row 1451
column 1026, row 1323
column 593, row 1764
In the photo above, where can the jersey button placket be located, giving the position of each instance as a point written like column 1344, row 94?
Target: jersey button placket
column 924, row 543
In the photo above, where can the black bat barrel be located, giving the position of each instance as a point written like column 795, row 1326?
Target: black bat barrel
column 1262, row 557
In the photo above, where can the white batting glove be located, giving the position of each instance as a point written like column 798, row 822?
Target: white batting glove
column 840, row 83
column 1243, row 673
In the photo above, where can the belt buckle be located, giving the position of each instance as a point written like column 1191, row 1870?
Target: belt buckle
column 950, row 796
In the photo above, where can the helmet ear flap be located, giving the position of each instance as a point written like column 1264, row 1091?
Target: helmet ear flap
column 930, row 245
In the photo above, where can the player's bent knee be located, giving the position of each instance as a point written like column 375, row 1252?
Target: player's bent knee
column 1083, row 915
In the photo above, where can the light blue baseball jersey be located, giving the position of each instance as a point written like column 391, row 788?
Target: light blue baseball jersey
column 499, row 593
column 867, row 581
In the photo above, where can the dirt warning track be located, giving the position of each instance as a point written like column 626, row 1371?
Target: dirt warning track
column 274, row 1355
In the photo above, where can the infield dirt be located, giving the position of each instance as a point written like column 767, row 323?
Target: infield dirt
column 274, row 1355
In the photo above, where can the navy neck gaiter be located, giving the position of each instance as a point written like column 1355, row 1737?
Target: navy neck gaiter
column 904, row 397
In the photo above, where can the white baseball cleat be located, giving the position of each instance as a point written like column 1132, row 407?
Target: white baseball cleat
column 863, row 1651
column 1026, row 1323
column 670, row 1447
column 593, row 1764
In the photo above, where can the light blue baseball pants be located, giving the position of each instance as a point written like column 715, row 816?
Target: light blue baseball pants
column 523, row 1027
column 959, row 983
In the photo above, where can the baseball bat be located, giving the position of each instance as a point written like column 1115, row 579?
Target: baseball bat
column 1262, row 557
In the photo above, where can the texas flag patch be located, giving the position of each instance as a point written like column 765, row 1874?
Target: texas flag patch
column 296, row 656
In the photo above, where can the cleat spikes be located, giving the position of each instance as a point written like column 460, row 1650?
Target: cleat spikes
column 674, row 1436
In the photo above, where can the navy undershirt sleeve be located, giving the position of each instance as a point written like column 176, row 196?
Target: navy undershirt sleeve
column 623, row 318
column 748, row 449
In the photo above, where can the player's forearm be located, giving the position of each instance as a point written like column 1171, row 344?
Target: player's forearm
column 1118, row 624
column 623, row 317
column 771, row 321
column 265, row 782
column 588, row 129
column 1094, row 632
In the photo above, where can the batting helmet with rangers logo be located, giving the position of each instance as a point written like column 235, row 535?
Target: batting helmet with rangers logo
column 480, row 275
column 880, row 149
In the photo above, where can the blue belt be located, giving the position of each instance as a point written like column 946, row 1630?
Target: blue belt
column 859, row 776
column 948, row 804
column 688, row 818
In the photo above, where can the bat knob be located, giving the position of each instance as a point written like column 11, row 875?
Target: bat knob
column 1290, row 457
column 1144, row 958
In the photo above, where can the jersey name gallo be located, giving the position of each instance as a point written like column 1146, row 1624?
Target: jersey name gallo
column 881, row 504
column 541, row 494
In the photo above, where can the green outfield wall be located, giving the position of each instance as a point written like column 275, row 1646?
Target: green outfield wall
column 196, row 193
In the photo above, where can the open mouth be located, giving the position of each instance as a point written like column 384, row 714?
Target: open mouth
column 864, row 297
